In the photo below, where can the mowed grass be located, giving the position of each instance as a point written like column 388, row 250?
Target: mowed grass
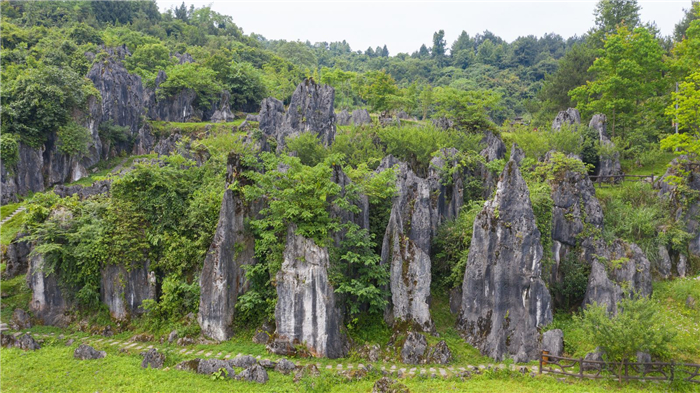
column 53, row 368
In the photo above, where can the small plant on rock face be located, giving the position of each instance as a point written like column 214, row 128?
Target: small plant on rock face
column 219, row 375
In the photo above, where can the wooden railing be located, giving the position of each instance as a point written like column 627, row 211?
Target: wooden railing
column 594, row 369
column 617, row 179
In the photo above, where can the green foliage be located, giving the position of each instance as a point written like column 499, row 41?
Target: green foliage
column 379, row 90
column 359, row 145
column 636, row 328
column 147, row 60
column 39, row 100
column 685, row 107
column 308, row 148
column 73, row 139
column 468, row 109
column 570, row 292
column 9, row 149
column 191, row 76
column 116, row 134
column 178, row 298
column 451, row 248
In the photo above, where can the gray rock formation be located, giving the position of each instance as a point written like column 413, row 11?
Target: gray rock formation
column 664, row 264
column 101, row 187
column 451, row 182
column 306, row 312
column 343, row 118
column 20, row 320
column 569, row 117
column 593, row 360
column 493, row 149
column 124, row 288
column 607, row 166
column 439, row 354
column 210, row 366
column 26, row 176
column 255, row 373
column 86, row 352
column 178, row 108
column 152, row 358
column 47, row 303
column 183, row 58
column 251, row 117
column 285, row 367
column 360, row 201
column 270, row 119
column 553, row 342
column 243, row 361
column 414, row 348
column 310, row 110
column 406, row 247
column 505, row 301
column 24, row 342
column 220, row 111
column 223, row 277
column 617, row 270
column 360, row 117
column 402, row 115
column 443, row 123
column 16, row 256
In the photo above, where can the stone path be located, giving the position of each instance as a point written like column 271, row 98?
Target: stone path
column 8, row 218
column 400, row 370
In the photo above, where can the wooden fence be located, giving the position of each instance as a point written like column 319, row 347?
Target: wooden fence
column 593, row 369
column 617, row 179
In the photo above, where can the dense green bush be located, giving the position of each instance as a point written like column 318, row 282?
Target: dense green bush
column 73, row 139
column 191, row 76
column 9, row 149
column 308, row 148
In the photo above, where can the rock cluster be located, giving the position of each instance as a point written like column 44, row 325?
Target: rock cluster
column 607, row 166
column 306, row 312
column 124, row 288
column 24, row 342
column 16, row 256
column 223, row 278
column 152, row 358
column 504, row 300
column 47, row 303
column 86, row 352
column 360, row 117
column 343, row 118
column 416, row 350
column 100, row 187
column 251, row 373
column 569, row 117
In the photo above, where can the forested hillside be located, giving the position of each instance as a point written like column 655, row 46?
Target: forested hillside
column 174, row 185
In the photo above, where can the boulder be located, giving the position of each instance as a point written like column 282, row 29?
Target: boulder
column 595, row 356
column 505, row 301
column 86, row 352
column 388, row 385
column 221, row 110
column 125, row 288
column 414, row 348
column 285, row 367
column 343, row 118
column 20, row 320
column 243, row 361
column 406, row 247
column 152, row 358
column 189, row 365
column 270, row 119
column 684, row 204
column 607, row 166
column 210, row 366
column 553, row 342
column 402, row 115
column 267, row 363
column 568, row 117
column 255, row 118
column 223, row 277
column 310, row 370
column 255, row 373
column 24, row 342
column 172, row 337
column 306, row 312
column 185, row 341
column 617, row 270
column 682, row 266
column 664, row 264
column 16, row 256
column 47, row 302
column 282, row 348
column 261, row 337
column 361, row 117
column 439, row 354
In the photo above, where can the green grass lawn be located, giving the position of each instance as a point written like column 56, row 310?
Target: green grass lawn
column 9, row 230
column 52, row 368
column 6, row 210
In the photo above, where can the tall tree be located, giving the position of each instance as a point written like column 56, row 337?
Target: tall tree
column 610, row 14
column 438, row 50
column 691, row 14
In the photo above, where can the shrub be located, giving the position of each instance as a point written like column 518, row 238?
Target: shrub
column 308, row 148
column 9, row 149
column 73, row 139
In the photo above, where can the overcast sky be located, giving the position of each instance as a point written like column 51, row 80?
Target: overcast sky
column 403, row 26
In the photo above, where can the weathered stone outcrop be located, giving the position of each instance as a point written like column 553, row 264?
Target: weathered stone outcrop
column 575, row 210
column 86, row 352
column 47, row 303
column 361, row 218
column 617, row 270
column 451, row 185
column 20, row 320
column 360, row 117
column 505, row 301
column 97, row 188
column 152, row 358
column 607, row 166
column 443, row 123
column 221, row 110
column 406, row 247
column 343, row 118
column 553, row 342
column 123, row 289
column 416, row 350
column 16, row 256
column 494, row 149
column 223, row 277
column 569, row 117
column 306, row 312
column 26, row 176
column 177, row 108
column 24, row 342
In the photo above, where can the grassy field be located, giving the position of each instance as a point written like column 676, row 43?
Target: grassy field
column 52, row 368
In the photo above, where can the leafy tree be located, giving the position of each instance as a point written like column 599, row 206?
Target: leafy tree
column 194, row 76
column 379, row 90
column 685, row 105
column 437, row 52
column 636, row 328
column 423, row 52
column 148, row 59
column 468, row 109
column 628, row 75
column 611, row 14
column 41, row 99
column 572, row 71
column 691, row 14
column 73, row 139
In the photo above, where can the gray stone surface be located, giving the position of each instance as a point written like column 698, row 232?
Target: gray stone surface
column 439, row 354
column 493, row 149
column 16, row 256
column 664, row 265
column 86, row 352
column 255, row 373
column 614, row 267
column 449, row 181
column 607, row 166
column 567, row 117
column 221, row 110
column 505, row 301
column 414, row 348
column 124, row 288
column 97, row 188
column 20, row 320
column 343, row 118
column 152, row 358
column 243, row 361
column 443, row 123
column 210, row 366
column 306, row 312
column 406, row 247
column 361, row 117
column 47, row 302
column 223, row 278
column 553, row 342
column 285, row 367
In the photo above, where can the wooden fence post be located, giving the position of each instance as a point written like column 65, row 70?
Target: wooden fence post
column 580, row 367
column 540, row 362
